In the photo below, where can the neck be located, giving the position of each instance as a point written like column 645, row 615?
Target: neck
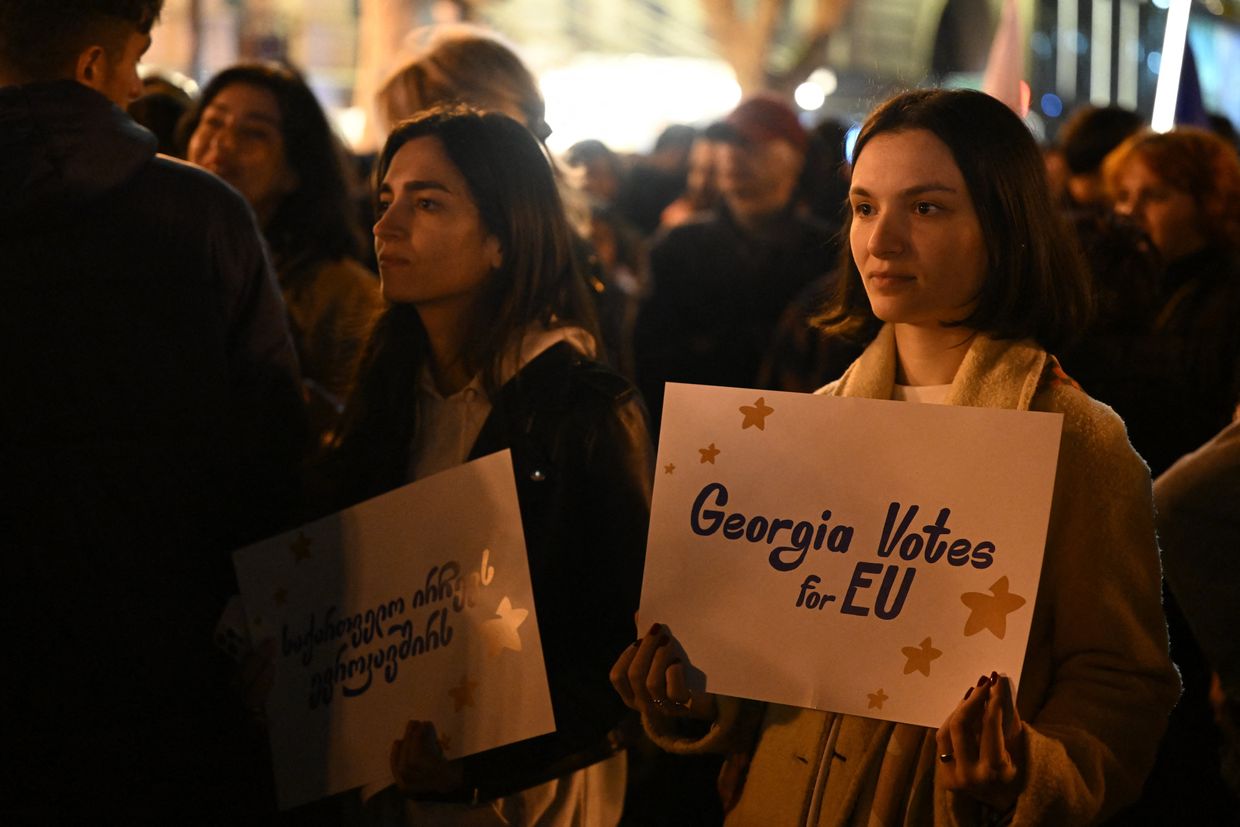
column 445, row 330
column 929, row 355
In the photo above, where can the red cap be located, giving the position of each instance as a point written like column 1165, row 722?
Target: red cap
column 759, row 119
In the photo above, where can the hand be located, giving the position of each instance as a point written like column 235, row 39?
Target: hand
column 651, row 679
column 418, row 763
column 257, row 676
column 981, row 745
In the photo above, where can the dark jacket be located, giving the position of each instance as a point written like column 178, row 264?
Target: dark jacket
column 583, row 463
column 151, row 422
column 717, row 294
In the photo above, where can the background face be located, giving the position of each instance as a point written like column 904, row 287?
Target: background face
column 239, row 138
column 1169, row 215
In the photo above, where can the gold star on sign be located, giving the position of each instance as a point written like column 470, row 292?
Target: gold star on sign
column 919, row 657
column 501, row 633
column 756, row 414
column 280, row 597
column 463, row 695
column 709, row 454
column 877, row 699
column 990, row 611
column 300, row 548
column 670, row 468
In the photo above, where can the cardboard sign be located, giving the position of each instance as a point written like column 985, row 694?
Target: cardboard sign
column 413, row 605
column 859, row 556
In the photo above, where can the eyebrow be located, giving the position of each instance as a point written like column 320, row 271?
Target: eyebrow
column 416, row 185
column 920, row 189
column 248, row 116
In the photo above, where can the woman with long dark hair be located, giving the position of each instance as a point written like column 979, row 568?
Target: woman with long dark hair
column 962, row 280
column 487, row 344
column 260, row 128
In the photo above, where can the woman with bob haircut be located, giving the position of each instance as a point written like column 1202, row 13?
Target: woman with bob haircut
column 260, row 128
column 961, row 277
column 486, row 345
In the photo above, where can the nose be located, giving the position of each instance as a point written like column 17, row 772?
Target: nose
column 887, row 235
column 386, row 227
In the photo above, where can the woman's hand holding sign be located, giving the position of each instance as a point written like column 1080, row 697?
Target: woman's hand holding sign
column 981, row 745
column 418, row 763
column 650, row 678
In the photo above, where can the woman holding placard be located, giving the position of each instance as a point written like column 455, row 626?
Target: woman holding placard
column 962, row 279
column 487, row 344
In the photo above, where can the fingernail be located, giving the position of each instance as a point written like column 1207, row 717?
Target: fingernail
column 654, row 628
column 981, row 681
column 968, row 692
column 994, row 677
column 662, row 641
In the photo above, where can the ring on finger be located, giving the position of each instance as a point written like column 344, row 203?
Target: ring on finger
column 946, row 757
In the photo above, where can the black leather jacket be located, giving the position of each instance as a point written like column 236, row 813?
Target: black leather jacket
column 583, row 461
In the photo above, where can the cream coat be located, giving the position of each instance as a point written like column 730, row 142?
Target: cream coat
column 1097, row 683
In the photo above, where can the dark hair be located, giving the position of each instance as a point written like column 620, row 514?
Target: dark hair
column 538, row 282
column 317, row 220
column 41, row 39
column 1092, row 132
column 1036, row 284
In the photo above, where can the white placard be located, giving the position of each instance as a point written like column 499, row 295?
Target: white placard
column 859, row 556
column 413, row 605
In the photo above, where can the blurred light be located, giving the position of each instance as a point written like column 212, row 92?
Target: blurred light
column 351, row 121
column 1153, row 62
column 626, row 100
column 1052, row 106
column 1026, row 95
column 1162, row 4
column 1215, row 6
column 850, row 141
column 1041, row 44
column 826, row 80
column 809, row 96
column 1169, row 66
column 1082, row 43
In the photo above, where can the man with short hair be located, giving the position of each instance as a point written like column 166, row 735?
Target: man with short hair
column 721, row 281
column 151, row 422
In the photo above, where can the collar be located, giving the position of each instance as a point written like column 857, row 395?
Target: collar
column 995, row 373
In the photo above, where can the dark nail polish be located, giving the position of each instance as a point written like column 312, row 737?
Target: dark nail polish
column 981, row 681
column 662, row 641
column 994, row 677
column 968, row 692
column 653, row 628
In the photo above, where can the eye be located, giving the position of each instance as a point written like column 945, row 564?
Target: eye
column 382, row 207
column 863, row 209
column 427, row 204
column 926, row 208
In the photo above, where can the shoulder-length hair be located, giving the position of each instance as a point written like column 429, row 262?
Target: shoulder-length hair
column 317, row 221
column 537, row 284
column 1194, row 161
column 1036, row 284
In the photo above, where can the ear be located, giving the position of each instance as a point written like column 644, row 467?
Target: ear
column 91, row 67
column 495, row 253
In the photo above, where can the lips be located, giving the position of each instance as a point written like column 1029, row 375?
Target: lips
column 887, row 280
column 389, row 260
